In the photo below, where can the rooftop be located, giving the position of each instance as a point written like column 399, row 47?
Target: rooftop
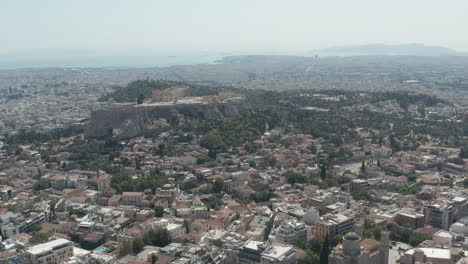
column 438, row 253
column 48, row 246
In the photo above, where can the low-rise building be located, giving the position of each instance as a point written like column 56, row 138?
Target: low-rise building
column 131, row 198
column 292, row 232
column 278, row 254
column 357, row 185
column 409, row 219
column 427, row 255
column 52, row 252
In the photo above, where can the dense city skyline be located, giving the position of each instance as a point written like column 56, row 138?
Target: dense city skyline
column 233, row 132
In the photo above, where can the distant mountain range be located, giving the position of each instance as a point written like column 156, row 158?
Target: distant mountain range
column 63, row 58
column 416, row 49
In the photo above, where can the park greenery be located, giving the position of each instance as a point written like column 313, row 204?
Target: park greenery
column 157, row 237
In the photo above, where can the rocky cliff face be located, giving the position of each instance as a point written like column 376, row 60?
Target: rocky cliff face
column 132, row 121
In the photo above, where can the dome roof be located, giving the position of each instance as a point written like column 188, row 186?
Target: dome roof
column 352, row 236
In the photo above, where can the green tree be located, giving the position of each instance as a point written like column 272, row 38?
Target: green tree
column 294, row 177
column 323, row 171
column 458, row 161
column 337, row 140
column 262, row 196
column 158, row 211
column 161, row 237
column 186, row 226
column 465, row 183
column 337, row 239
column 163, row 149
column 140, row 99
column 53, row 204
column 363, row 167
column 316, row 245
column 125, row 249
column 214, row 143
column 218, row 243
column 325, row 252
column 302, row 245
column 39, row 237
column 313, row 149
column 252, row 147
column 41, row 185
column 137, row 245
column 148, row 237
column 416, row 239
column 218, row 185
column 361, row 195
column 309, row 258
column 371, row 230
column 394, row 144
column 269, row 227
column 464, row 151
column 287, row 142
column 157, row 237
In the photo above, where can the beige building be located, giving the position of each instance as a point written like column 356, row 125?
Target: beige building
column 104, row 181
column 132, row 198
column 333, row 224
column 353, row 250
column 52, row 252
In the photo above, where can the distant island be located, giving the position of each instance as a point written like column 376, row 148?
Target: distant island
column 384, row 49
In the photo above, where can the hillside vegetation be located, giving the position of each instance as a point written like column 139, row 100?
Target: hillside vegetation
column 144, row 88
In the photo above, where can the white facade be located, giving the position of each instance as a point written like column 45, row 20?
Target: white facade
column 52, row 252
column 311, row 216
column 278, row 254
column 176, row 230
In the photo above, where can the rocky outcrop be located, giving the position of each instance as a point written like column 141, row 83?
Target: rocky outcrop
column 136, row 120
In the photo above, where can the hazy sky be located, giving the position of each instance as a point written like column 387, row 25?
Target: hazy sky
column 186, row 26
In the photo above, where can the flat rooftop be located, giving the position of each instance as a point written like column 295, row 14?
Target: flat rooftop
column 48, row 246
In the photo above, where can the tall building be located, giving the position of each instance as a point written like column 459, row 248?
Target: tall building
column 52, row 252
column 333, row 224
column 104, row 181
column 353, row 250
column 438, row 215
column 460, row 208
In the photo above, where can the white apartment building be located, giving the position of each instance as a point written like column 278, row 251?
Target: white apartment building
column 52, row 252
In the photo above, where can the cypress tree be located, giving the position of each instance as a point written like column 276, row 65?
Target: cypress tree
column 363, row 167
column 323, row 171
column 325, row 252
